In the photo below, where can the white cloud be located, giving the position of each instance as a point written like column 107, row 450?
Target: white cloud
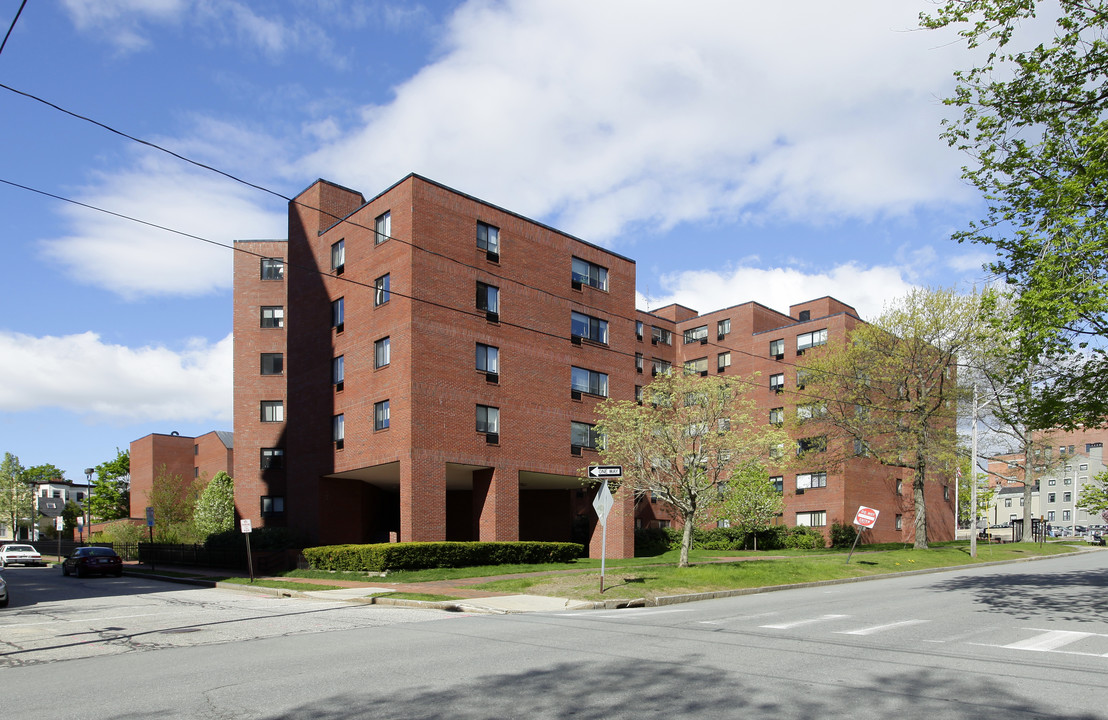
column 103, row 382
column 623, row 114
column 136, row 260
column 866, row 289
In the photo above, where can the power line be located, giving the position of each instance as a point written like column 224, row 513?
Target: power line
column 12, row 26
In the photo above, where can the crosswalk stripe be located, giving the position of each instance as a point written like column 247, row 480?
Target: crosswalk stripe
column 798, row 623
column 1049, row 640
column 880, row 628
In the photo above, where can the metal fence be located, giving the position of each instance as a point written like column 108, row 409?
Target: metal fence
column 161, row 554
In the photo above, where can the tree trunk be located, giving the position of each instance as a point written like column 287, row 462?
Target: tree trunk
column 686, row 542
column 920, row 506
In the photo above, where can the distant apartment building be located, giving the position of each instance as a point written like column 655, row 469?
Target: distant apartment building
column 423, row 365
column 191, row 458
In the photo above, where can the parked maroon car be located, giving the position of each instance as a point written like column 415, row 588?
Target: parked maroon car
column 93, row 561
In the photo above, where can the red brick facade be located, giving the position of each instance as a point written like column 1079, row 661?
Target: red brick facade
column 189, row 457
column 433, row 467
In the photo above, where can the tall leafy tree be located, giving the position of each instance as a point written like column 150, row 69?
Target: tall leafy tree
column 1034, row 122
column 215, row 510
column 15, row 493
column 891, row 390
column 111, row 493
column 689, row 436
column 174, row 499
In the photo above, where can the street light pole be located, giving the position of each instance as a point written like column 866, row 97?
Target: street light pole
column 88, row 501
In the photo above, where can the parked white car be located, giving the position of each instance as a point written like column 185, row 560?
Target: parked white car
column 12, row 554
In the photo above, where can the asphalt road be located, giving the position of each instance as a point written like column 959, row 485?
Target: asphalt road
column 1028, row 640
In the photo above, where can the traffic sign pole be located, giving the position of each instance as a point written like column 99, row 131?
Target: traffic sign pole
column 866, row 518
column 602, row 503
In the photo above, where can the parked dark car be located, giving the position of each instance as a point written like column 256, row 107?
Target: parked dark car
column 93, row 560
column 3, row 592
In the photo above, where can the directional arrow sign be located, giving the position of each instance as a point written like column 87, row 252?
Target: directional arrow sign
column 605, row 471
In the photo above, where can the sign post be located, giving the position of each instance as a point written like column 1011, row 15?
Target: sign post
column 602, row 503
column 150, row 528
column 865, row 518
column 59, row 525
column 244, row 525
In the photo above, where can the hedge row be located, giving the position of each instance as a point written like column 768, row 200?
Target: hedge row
column 420, row 555
column 657, row 541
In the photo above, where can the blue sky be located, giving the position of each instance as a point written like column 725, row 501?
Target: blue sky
column 736, row 150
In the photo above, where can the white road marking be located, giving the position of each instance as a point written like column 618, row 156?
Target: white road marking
column 798, row 623
column 633, row 613
column 880, row 628
column 1048, row 640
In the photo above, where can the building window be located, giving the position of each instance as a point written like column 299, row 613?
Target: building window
column 488, row 299
column 381, row 415
column 659, row 367
column 1007, row 502
column 777, row 382
column 488, row 358
column 777, row 349
column 273, row 411
column 699, row 366
column 815, row 518
column 898, row 523
column 696, row 334
column 338, row 256
column 660, row 336
column 273, row 317
column 383, row 228
column 338, row 314
column 338, row 372
column 589, row 381
column 723, row 360
column 638, row 362
column 899, row 486
column 639, row 329
column 273, row 505
column 338, row 430
column 273, row 269
column 583, row 435
column 1065, row 515
column 1051, row 481
column 273, row 458
column 488, row 419
column 1083, row 466
column 946, row 493
column 638, row 394
column 777, row 416
column 381, row 353
column 1050, row 497
column 801, row 379
column 488, row 238
column 805, row 481
column 778, row 483
column 586, row 326
column 1065, row 481
column 587, row 273
column 273, row 363
column 1050, row 516
column 723, row 327
column 810, row 411
column 381, row 290
column 811, row 339
column 1067, row 497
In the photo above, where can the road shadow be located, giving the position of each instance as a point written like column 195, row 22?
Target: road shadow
column 1072, row 596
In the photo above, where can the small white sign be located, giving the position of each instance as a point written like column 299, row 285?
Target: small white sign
column 603, row 502
column 59, row 523
column 80, row 521
column 149, row 517
column 596, row 471
column 244, row 525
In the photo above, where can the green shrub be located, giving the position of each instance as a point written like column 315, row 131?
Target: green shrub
column 651, row 541
column 123, row 532
column 842, row 535
column 771, row 538
column 719, row 538
column 421, row 555
column 805, row 538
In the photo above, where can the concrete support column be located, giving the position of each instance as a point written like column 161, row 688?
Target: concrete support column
column 496, row 504
column 621, row 525
column 422, row 498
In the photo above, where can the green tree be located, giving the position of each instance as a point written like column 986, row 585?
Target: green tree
column 690, row 435
column 1094, row 497
column 1034, row 122
column 111, row 493
column 173, row 498
column 215, row 510
column 751, row 501
column 70, row 513
column 890, row 392
column 15, row 494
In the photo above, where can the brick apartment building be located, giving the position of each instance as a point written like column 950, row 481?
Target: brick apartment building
column 189, row 457
column 425, row 366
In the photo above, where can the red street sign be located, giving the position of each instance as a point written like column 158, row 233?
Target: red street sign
column 866, row 517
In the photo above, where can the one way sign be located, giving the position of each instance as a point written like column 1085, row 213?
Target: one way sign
column 605, row 471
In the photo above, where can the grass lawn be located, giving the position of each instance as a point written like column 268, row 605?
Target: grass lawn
column 653, row 581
